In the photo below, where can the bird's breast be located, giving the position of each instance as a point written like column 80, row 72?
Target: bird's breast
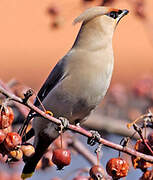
column 90, row 77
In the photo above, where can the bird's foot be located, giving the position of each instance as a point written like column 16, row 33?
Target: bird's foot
column 49, row 113
column 94, row 139
column 64, row 124
column 77, row 124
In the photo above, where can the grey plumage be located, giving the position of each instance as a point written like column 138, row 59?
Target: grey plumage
column 80, row 79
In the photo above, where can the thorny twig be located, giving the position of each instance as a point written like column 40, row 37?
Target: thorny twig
column 77, row 129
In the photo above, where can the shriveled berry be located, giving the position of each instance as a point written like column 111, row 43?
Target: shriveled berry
column 96, row 172
column 138, row 162
column 141, row 147
column 16, row 154
column 6, row 116
column 2, row 136
column 61, row 158
column 28, row 150
column 147, row 175
column 12, row 140
column 117, row 168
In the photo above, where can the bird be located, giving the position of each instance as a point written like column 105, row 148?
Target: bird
column 79, row 81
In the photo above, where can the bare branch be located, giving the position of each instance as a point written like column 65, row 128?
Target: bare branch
column 22, row 109
column 77, row 129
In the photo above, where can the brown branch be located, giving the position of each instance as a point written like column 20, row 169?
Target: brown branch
column 139, row 131
column 24, row 111
column 77, row 129
column 104, row 123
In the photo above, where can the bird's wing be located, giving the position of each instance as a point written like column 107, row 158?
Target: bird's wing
column 56, row 75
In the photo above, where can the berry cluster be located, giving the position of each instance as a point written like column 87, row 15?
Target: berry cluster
column 142, row 146
column 11, row 145
column 11, row 142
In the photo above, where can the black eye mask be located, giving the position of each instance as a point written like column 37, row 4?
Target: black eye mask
column 114, row 14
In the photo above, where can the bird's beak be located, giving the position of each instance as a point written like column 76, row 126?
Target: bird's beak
column 124, row 12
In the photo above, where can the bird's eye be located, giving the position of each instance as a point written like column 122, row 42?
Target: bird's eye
column 114, row 14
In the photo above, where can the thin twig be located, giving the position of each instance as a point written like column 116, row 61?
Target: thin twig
column 139, row 131
column 77, row 129
column 22, row 109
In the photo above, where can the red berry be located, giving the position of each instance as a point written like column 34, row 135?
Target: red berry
column 117, row 168
column 2, row 136
column 61, row 158
column 12, row 140
column 96, row 172
column 6, row 117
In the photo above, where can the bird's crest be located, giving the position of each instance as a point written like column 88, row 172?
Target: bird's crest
column 92, row 13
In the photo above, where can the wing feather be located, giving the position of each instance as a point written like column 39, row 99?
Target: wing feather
column 56, row 75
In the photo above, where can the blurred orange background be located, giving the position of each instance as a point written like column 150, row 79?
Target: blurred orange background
column 30, row 47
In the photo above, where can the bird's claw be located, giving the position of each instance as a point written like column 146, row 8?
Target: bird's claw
column 64, row 124
column 94, row 139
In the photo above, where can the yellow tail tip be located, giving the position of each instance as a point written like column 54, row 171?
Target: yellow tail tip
column 25, row 176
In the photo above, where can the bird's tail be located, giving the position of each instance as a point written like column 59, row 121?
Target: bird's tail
column 41, row 147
